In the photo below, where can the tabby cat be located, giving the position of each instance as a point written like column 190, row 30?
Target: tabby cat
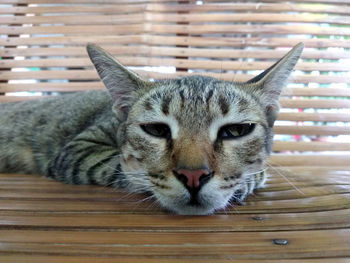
column 195, row 143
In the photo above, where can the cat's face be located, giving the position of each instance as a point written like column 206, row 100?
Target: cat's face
column 193, row 141
column 195, row 123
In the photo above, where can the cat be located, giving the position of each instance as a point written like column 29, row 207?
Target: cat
column 194, row 143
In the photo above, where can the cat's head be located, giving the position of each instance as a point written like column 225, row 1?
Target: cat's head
column 191, row 141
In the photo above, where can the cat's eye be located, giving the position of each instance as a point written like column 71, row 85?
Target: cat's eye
column 233, row 131
column 159, row 130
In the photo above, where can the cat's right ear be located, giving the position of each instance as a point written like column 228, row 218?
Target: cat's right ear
column 122, row 84
column 268, row 85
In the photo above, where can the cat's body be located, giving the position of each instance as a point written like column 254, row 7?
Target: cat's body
column 32, row 133
column 194, row 143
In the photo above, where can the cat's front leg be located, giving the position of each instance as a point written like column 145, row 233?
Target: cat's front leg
column 90, row 158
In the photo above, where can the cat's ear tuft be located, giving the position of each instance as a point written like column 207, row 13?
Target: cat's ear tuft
column 269, row 84
column 122, row 84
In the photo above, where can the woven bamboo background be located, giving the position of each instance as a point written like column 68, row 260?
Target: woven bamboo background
column 43, row 50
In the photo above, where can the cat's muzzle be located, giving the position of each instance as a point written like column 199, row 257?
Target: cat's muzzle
column 193, row 180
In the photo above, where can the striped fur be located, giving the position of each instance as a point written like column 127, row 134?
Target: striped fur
column 95, row 137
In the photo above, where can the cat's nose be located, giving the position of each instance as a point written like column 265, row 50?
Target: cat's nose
column 193, row 178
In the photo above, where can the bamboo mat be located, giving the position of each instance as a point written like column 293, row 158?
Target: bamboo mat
column 303, row 215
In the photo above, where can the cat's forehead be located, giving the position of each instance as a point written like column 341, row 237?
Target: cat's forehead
column 198, row 101
column 197, row 91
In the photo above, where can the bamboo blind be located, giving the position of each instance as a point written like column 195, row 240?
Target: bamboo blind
column 42, row 50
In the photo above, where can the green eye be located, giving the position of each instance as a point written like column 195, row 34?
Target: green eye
column 233, row 131
column 159, row 130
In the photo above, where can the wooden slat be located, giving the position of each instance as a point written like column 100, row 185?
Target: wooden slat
column 92, row 75
column 252, row 7
column 91, row 1
column 247, row 29
column 154, row 1
column 175, row 29
column 286, row 103
column 313, row 130
column 174, row 51
column 243, row 42
column 29, row 192
column 304, row 192
column 315, row 103
column 336, row 2
column 79, row 1
column 191, row 244
column 156, row 17
column 95, row 259
column 178, row 63
column 299, row 1
column 73, row 30
column 321, row 117
column 263, row 17
column 68, row 87
column 131, row 259
column 212, row 7
column 80, row 86
column 178, row 40
column 309, row 160
column 73, row 40
column 310, row 146
column 75, row 19
column 57, row 9
column 239, row 223
column 50, row 74
column 308, row 204
column 61, row 87
column 329, row 92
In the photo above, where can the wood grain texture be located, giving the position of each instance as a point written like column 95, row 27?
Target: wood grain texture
column 131, row 259
column 43, row 220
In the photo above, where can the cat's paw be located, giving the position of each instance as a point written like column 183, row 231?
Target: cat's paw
column 260, row 179
column 241, row 194
column 248, row 186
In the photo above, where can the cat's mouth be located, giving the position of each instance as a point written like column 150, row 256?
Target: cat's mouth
column 190, row 208
column 183, row 203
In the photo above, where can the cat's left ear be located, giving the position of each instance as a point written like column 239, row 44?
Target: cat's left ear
column 122, row 84
column 269, row 84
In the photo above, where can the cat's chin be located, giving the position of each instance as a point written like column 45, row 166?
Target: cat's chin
column 182, row 209
column 192, row 210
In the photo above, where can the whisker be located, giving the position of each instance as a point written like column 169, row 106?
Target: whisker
column 260, row 171
column 134, row 193
column 146, row 199
column 287, row 180
column 276, row 165
column 231, row 205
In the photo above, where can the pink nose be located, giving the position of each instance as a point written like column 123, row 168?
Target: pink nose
column 195, row 178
